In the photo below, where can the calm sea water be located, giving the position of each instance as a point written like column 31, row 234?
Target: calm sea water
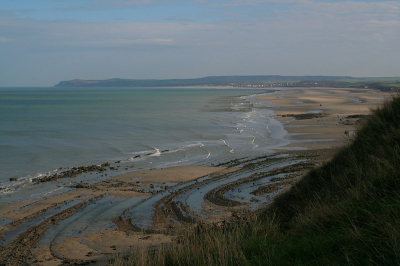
column 43, row 129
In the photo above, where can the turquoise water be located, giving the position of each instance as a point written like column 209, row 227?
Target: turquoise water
column 43, row 129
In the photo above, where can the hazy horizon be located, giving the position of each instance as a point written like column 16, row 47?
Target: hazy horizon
column 45, row 42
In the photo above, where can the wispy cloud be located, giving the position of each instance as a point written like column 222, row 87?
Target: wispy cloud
column 115, row 4
column 238, row 37
column 4, row 40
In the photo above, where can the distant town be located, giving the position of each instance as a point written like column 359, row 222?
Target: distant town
column 333, row 84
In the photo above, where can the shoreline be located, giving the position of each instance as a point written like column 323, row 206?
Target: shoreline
column 318, row 118
column 136, row 208
column 107, row 143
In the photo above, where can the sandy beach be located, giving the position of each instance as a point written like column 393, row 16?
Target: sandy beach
column 318, row 118
column 151, row 207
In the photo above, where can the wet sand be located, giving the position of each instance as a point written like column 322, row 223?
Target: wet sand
column 150, row 207
column 32, row 219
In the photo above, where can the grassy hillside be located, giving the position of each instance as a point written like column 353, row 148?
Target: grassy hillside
column 346, row 212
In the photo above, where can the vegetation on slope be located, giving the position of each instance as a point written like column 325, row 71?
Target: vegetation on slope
column 346, row 212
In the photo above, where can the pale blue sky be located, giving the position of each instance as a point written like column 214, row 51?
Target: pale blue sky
column 44, row 42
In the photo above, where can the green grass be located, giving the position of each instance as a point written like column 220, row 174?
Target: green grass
column 346, row 212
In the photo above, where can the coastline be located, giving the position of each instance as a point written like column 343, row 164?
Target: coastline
column 139, row 208
column 318, row 118
column 51, row 136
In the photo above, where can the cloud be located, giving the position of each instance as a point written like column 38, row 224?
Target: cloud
column 305, row 21
column 302, row 38
column 115, row 4
column 115, row 43
column 60, row 34
column 4, row 40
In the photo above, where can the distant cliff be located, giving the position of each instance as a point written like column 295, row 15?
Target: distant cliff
column 236, row 81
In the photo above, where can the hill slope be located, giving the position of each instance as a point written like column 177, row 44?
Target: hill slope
column 386, row 84
column 206, row 81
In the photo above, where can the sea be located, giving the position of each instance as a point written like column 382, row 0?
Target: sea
column 47, row 130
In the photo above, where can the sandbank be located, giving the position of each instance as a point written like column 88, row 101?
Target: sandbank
column 28, row 219
column 175, row 174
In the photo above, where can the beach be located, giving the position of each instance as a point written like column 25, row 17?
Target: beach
column 318, row 118
column 147, row 207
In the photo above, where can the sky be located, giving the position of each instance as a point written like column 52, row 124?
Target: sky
column 43, row 42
